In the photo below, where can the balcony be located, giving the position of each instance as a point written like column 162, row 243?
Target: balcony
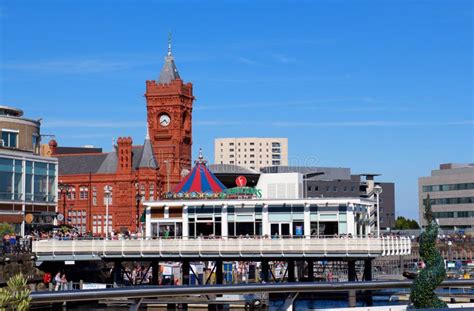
column 57, row 250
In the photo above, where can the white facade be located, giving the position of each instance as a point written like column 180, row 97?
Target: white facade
column 251, row 152
column 281, row 185
column 259, row 217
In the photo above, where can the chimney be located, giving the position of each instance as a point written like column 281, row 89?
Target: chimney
column 124, row 155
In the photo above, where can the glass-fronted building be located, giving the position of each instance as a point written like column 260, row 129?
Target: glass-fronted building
column 28, row 182
column 28, row 189
column 258, row 217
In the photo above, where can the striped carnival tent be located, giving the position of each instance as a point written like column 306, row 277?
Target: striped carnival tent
column 199, row 180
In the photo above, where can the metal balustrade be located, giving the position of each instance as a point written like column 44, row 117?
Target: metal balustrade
column 224, row 248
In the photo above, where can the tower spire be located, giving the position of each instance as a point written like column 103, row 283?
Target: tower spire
column 169, row 44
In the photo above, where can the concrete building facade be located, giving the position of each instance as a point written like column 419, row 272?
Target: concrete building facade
column 338, row 182
column 451, row 191
column 251, row 152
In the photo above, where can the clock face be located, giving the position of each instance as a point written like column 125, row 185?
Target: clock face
column 165, row 120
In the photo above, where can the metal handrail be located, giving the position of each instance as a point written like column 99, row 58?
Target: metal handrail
column 159, row 291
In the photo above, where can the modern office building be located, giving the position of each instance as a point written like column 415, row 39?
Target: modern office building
column 28, row 181
column 451, row 191
column 338, row 182
column 251, row 152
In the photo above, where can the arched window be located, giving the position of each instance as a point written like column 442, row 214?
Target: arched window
column 83, row 193
column 71, row 193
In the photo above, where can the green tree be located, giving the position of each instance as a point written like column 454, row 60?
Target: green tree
column 422, row 293
column 402, row 223
column 6, row 228
column 16, row 296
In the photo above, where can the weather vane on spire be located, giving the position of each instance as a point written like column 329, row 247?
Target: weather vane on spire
column 169, row 44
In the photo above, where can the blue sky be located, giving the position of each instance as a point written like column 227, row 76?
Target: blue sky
column 377, row 86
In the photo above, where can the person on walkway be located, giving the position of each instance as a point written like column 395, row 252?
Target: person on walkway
column 57, row 281
column 63, row 282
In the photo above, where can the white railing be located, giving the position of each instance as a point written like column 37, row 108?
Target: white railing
column 327, row 247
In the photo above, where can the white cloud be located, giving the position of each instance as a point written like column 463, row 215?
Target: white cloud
column 284, row 59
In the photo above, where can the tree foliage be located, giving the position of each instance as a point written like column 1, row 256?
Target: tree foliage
column 402, row 223
column 422, row 293
column 6, row 228
column 16, row 296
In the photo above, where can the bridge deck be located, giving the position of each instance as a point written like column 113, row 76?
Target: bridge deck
column 57, row 250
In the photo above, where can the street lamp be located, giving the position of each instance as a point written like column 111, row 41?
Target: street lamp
column 64, row 191
column 378, row 191
column 138, row 197
column 107, row 191
column 167, row 163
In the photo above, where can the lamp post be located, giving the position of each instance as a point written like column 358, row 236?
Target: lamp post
column 378, row 191
column 107, row 196
column 138, row 197
column 64, row 191
column 167, row 163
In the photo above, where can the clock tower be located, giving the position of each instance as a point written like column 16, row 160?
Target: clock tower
column 169, row 103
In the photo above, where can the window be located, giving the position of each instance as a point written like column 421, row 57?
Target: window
column 316, row 188
column 83, row 193
column 309, row 188
column 71, row 193
column 142, row 191
column 252, row 162
column 275, row 156
column 10, row 138
column 231, row 144
column 231, row 150
column 35, row 143
column 251, row 144
column 328, row 188
column 353, row 188
column 276, row 150
column 94, row 195
column 334, row 189
column 252, row 156
column 252, row 149
column 275, row 162
column 231, row 162
column 276, row 144
column 345, row 188
column 231, row 155
column 152, row 191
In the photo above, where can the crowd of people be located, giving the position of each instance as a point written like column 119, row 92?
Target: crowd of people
column 15, row 244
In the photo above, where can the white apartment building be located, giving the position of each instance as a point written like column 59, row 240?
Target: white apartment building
column 251, row 152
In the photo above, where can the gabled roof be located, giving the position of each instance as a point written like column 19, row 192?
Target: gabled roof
column 105, row 163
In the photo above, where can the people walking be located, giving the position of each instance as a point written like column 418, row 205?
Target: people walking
column 57, row 281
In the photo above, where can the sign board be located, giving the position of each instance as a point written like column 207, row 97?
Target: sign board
column 299, row 230
column 69, row 262
column 93, row 286
column 451, row 264
column 60, row 217
column 29, row 218
column 241, row 181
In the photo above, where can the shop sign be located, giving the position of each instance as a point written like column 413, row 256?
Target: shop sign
column 231, row 193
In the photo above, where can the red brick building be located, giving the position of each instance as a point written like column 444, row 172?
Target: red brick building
column 133, row 173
